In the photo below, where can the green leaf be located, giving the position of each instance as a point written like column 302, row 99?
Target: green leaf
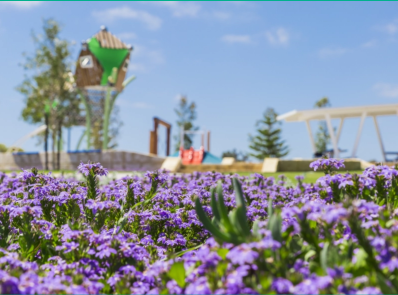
column 309, row 254
column 385, row 286
column 256, row 229
column 177, row 273
column 269, row 211
column 223, row 209
column 324, row 256
column 242, row 221
column 222, row 267
column 275, row 225
column 178, row 254
column 222, row 252
column 240, row 200
column 214, row 206
column 209, row 225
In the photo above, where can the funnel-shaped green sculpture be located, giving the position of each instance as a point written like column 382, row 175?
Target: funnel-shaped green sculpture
column 100, row 72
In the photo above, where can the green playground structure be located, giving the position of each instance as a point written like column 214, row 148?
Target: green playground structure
column 100, row 74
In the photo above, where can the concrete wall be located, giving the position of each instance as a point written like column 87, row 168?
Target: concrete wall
column 112, row 160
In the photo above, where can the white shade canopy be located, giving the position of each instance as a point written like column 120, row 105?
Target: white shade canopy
column 328, row 114
column 339, row 113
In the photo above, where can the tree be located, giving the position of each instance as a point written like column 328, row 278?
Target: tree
column 238, row 156
column 322, row 136
column 186, row 113
column 3, row 148
column 267, row 143
column 51, row 81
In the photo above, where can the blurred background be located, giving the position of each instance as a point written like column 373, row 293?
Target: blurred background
column 233, row 60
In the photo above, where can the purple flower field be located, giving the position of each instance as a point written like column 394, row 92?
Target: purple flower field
column 203, row 233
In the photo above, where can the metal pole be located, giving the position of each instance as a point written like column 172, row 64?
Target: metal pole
column 88, row 117
column 339, row 130
column 311, row 137
column 46, row 142
column 354, row 151
column 106, row 118
column 168, row 142
column 379, row 137
column 332, row 136
column 69, row 137
column 182, row 137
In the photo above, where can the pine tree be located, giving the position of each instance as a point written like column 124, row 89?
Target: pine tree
column 322, row 136
column 186, row 114
column 267, row 143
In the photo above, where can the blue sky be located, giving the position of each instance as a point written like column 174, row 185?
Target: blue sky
column 233, row 59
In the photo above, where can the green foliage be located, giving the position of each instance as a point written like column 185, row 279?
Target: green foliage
column 177, row 273
column 4, row 148
column 186, row 113
column 268, row 143
column 51, row 80
column 238, row 156
column 230, row 227
column 322, row 136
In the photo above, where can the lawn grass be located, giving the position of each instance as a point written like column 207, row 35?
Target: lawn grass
column 309, row 177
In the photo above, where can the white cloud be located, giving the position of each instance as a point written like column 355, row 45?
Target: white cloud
column 152, row 22
column 143, row 59
column 386, row 90
column 179, row 9
column 236, row 39
column 221, row 15
column 390, row 28
column 278, row 36
column 137, row 67
column 21, row 4
column 335, row 51
column 152, row 55
column 369, row 44
column 127, row 36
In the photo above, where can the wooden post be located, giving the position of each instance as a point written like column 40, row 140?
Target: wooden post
column 208, row 141
column 203, row 140
column 168, row 142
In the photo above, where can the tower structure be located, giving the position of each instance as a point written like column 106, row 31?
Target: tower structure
column 100, row 77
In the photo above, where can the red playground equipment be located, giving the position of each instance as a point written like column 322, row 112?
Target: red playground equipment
column 191, row 156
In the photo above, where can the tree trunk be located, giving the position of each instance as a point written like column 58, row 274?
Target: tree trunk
column 59, row 145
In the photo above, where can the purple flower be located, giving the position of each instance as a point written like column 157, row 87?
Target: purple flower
column 242, row 254
column 97, row 169
column 173, row 287
column 104, row 251
column 200, row 286
column 313, row 285
column 327, row 164
column 369, row 291
column 282, row 286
